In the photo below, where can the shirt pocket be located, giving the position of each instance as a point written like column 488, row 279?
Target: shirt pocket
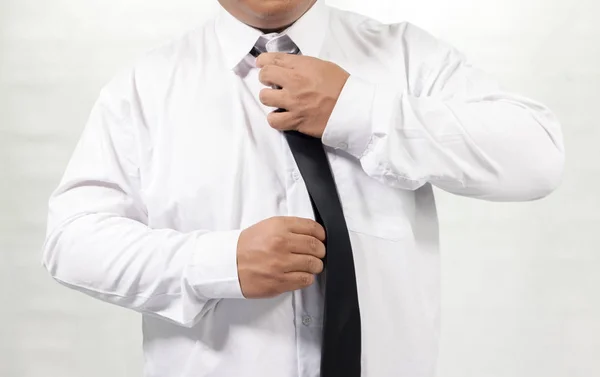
column 371, row 207
column 202, row 361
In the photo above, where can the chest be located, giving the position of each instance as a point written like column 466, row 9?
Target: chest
column 217, row 164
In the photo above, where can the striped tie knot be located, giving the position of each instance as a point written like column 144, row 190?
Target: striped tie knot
column 274, row 42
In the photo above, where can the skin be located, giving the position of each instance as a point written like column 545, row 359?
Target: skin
column 267, row 15
column 310, row 89
column 278, row 255
column 283, row 254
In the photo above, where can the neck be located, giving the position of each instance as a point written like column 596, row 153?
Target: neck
column 284, row 27
column 276, row 30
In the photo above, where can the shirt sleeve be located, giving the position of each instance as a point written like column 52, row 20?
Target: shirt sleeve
column 459, row 132
column 98, row 241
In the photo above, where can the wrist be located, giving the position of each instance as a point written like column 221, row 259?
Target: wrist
column 213, row 272
column 349, row 127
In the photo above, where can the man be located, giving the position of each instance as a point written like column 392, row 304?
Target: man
column 200, row 195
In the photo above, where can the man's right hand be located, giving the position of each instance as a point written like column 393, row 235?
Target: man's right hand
column 278, row 255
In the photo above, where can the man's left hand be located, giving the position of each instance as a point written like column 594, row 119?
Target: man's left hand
column 310, row 88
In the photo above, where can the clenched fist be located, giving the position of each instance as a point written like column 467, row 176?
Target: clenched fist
column 310, row 89
column 278, row 255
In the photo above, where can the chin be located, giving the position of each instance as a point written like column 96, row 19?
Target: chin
column 276, row 12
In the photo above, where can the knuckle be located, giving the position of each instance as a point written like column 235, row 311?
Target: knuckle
column 298, row 78
column 274, row 221
column 284, row 221
column 284, row 224
column 277, row 60
column 280, row 279
column 300, row 98
column 307, row 280
column 274, row 266
column 265, row 71
column 313, row 244
column 277, row 242
column 314, row 228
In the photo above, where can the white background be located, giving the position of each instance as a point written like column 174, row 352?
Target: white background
column 521, row 281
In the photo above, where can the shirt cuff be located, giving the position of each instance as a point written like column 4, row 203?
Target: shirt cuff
column 212, row 272
column 350, row 125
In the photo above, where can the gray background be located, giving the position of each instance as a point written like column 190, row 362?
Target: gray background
column 520, row 294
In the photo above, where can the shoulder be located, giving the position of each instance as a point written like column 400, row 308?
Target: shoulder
column 143, row 86
column 184, row 51
column 398, row 36
column 155, row 66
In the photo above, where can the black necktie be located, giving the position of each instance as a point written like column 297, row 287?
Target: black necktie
column 341, row 345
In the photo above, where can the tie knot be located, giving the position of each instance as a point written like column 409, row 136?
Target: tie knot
column 274, row 42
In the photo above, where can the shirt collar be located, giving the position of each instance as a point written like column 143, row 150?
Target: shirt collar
column 237, row 39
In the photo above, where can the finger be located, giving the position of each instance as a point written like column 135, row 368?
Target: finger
column 308, row 227
column 282, row 120
column 302, row 244
column 272, row 75
column 275, row 98
column 280, row 59
column 303, row 263
column 297, row 280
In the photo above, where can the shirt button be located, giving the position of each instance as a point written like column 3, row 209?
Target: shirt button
column 343, row 146
column 295, row 175
column 306, row 320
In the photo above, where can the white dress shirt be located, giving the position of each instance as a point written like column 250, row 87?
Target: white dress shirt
column 177, row 158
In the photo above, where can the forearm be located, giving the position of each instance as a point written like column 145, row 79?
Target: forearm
column 98, row 239
column 493, row 147
column 173, row 275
